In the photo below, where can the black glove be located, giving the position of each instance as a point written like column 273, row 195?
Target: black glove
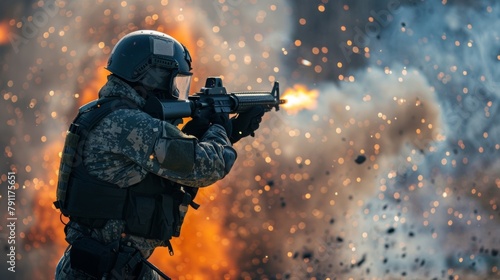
column 246, row 123
column 196, row 127
column 222, row 119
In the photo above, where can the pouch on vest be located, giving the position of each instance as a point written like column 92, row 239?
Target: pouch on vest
column 150, row 215
column 92, row 257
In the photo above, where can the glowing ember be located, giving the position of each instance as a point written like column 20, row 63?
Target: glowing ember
column 300, row 98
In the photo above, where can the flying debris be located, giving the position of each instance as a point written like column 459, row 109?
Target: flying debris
column 360, row 159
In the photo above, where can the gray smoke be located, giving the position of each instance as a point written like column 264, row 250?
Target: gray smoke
column 429, row 209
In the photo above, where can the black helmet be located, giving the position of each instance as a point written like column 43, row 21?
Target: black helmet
column 154, row 60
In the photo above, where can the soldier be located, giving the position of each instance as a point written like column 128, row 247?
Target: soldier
column 126, row 179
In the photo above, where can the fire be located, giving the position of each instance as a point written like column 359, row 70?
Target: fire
column 4, row 32
column 90, row 92
column 203, row 249
column 47, row 231
column 300, row 98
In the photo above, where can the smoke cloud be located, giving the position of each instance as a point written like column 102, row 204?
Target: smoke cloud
column 420, row 107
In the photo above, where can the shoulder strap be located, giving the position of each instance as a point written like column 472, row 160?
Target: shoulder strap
column 100, row 108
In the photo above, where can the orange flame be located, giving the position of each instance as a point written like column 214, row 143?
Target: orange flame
column 91, row 91
column 4, row 32
column 203, row 249
column 300, row 98
column 45, row 239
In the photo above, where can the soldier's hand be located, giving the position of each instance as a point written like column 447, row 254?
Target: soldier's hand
column 196, row 127
column 223, row 120
column 246, row 123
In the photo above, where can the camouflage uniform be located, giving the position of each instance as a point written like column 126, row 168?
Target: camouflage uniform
column 127, row 145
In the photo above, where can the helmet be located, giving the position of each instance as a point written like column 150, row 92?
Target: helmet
column 153, row 60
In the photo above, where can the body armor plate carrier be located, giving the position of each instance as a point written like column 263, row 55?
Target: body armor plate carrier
column 153, row 208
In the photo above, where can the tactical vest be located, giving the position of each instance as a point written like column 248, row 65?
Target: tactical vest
column 154, row 208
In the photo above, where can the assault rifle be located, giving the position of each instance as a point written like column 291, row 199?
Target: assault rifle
column 213, row 98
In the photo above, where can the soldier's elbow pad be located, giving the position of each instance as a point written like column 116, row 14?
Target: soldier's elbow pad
column 176, row 154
